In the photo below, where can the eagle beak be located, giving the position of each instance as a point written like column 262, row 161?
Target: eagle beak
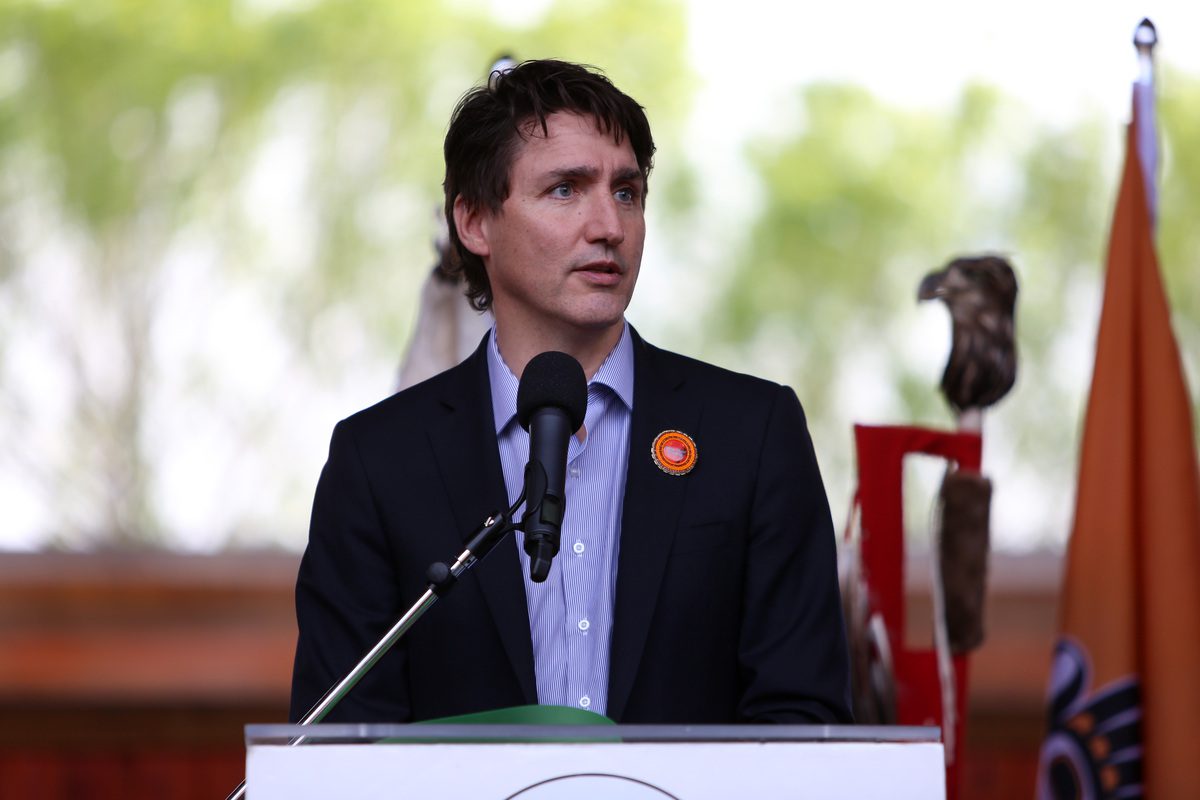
column 931, row 286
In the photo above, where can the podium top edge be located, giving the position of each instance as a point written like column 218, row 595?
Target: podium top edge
column 343, row 733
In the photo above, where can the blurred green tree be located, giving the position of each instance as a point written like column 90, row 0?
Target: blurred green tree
column 186, row 180
column 862, row 199
column 211, row 213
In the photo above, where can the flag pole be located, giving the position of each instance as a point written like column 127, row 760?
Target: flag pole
column 1145, row 37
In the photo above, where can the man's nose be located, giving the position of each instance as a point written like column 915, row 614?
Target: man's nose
column 605, row 222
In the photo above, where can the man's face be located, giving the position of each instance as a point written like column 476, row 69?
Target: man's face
column 563, row 252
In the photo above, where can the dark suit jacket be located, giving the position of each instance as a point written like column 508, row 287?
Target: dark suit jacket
column 726, row 605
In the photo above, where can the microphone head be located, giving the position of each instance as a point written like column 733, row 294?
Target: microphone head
column 552, row 379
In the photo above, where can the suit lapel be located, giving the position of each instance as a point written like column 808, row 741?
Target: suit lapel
column 464, row 445
column 653, row 502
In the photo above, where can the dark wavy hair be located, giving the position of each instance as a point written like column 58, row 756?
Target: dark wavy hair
column 491, row 120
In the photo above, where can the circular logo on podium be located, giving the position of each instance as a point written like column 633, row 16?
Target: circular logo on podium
column 592, row 785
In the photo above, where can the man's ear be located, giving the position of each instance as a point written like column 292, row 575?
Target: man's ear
column 471, row 229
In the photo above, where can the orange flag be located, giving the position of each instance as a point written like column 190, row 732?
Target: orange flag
column 1124, row 695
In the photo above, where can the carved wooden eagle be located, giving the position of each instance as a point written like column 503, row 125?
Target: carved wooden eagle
column 981, row 293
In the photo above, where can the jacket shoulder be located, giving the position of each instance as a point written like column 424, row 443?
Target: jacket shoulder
column 711, row 379
column 417, row 405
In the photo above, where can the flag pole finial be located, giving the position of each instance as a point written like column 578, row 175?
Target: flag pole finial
column 1144, row 39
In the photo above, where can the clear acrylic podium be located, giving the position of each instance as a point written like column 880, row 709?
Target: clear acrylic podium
column 614, row 762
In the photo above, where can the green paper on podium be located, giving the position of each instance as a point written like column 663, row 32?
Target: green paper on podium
column 522, row 715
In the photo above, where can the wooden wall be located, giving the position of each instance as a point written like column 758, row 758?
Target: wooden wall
column 131, row 674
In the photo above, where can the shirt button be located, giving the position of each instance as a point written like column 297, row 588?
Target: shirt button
column 578, row 548
column 584, row 625
column 585, row 701
column 574, row 472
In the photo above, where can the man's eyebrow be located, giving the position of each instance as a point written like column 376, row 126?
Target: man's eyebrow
column 592, row 173
column 561, row 173
column 631, row 174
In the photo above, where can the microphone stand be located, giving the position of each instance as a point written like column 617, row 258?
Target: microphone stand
column 441, row 578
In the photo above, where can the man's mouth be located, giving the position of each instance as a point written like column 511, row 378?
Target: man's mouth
column 601, row 273
column 602, row 267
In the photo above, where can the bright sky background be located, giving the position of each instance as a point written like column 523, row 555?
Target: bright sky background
column 1058, row 55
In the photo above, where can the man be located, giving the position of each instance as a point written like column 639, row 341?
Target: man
column 696, row 581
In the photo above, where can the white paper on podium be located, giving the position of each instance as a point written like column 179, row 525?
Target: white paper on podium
column 630, row 771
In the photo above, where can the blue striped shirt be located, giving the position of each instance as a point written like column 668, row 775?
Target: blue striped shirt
column 570, row 614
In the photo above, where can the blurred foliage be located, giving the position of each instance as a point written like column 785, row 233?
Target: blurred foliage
column 211, row 212
column 136, row 106
column 862, row 199
column 1179, row 203
column 132, row 132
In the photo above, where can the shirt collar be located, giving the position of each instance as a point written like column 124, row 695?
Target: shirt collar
column 616, row 373
column 617, row 370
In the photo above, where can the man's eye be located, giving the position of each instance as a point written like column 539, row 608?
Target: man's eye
column 561, row 190
column 625, row 195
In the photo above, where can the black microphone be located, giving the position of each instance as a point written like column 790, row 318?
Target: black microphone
column 551, row 402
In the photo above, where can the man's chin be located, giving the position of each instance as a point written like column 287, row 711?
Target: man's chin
column 601, row 320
